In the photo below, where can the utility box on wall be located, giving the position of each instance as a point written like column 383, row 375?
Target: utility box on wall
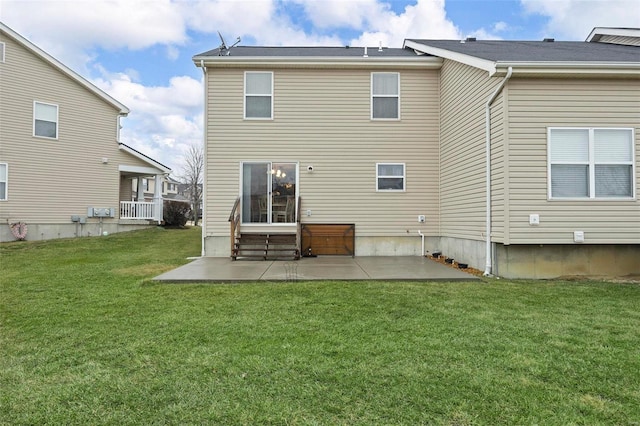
column 101, row 212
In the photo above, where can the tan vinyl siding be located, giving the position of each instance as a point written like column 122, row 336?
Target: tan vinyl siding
column 126, row 189
column 499, row 167
column 465, row 91
column 535, row 105
column 52, row 179
column 322, row 118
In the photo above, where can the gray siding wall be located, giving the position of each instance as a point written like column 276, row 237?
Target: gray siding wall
column 322, row 118
column 465, row 91
column 535, row 105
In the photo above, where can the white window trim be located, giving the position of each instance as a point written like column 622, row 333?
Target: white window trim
column 244, row 98
column 385, row 96
column 57, row 120
column 591, row 163
column 6, row 182
column 404, row 177
column 3, row 50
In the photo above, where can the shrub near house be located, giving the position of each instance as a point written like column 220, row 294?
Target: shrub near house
column 176, row 213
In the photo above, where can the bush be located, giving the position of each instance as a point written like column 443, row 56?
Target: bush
column 176, row 213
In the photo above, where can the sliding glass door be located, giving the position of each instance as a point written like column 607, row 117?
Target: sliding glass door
column 269, row 192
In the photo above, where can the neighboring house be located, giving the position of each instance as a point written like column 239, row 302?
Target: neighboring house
column 191, row 192
column 435, row 146
column 63, row 171
column 147, row 187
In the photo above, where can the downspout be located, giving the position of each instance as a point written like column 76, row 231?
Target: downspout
column 492, row 98
column 203, row 224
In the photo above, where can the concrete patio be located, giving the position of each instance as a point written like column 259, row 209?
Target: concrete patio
column 218, row 269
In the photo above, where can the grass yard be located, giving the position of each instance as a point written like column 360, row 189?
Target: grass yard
column 85, row 338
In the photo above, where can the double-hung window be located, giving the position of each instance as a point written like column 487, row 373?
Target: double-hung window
column 258, row 95
column 390, row 176
column 3, row 181
column 45, row 120
column 591, row 163
column 385, row 96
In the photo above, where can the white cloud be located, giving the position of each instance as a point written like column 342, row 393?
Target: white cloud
column 63, row 27
column 268, row 22
column 164, row 120
column 574, row 19
column 340, row 13
column 228, row 17
column 425, row 19
column 500, row 26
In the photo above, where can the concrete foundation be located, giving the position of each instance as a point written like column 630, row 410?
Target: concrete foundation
column 567, row 260
column 49, row 231
column 409, row 245
column 471, row 252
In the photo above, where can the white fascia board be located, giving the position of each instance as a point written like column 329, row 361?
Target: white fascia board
column 601, row 69
column 317, row 62
column 473, row 61
column 139, row 170
column 64, row 69
column 598, row 32
column 153, row 163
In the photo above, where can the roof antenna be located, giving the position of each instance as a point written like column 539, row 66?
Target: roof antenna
column 224, row 50
column 380, row 48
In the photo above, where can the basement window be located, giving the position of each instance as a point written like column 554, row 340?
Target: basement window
column 3, row 181
column 390, row 176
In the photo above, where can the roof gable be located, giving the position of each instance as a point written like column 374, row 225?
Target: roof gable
column 491, row 55
column 53, row 62
column 146, row 159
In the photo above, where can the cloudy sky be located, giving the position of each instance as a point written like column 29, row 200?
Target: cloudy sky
column 139, row 51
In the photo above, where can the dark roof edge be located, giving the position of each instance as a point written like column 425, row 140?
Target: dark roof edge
column 145, row 157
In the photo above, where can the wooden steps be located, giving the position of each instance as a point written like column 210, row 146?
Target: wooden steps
column 266, row 247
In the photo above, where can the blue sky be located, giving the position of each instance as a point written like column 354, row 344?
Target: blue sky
column 139, row 51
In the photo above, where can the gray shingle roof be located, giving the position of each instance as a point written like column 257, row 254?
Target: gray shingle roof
column 319, row 52
column 538, row 51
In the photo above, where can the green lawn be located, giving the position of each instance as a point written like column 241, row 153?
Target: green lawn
column 85, row 338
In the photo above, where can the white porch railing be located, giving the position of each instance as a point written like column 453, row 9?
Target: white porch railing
column 137, row 210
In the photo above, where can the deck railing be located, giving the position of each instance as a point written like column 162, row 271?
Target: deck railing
column 137, row 210
column 234, row 224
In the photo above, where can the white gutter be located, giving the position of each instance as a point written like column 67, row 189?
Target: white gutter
column 419, row 62
column 203, row 226
column 488, row 254
column 600, row 69
column 422, row 246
